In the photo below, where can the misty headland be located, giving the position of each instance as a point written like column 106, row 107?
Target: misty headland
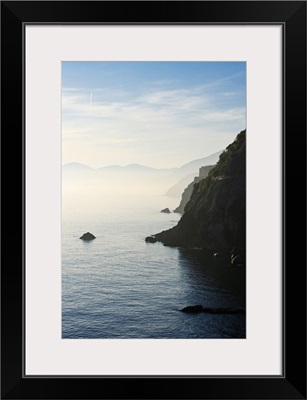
column 93, row 187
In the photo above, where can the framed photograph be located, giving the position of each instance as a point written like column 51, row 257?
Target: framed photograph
column 158, row 191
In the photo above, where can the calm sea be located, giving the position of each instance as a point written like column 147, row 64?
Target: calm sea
column 119, row 286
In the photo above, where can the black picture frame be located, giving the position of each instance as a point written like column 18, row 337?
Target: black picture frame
column 292, row 16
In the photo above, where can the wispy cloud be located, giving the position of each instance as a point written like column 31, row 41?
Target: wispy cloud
column 170, row 122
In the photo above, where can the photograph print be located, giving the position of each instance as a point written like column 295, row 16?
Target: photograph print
column 153, row 235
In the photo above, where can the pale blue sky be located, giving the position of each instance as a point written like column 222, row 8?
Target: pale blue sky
column 159, row 114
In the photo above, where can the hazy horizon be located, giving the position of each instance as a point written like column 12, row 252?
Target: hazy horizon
column 137, row 164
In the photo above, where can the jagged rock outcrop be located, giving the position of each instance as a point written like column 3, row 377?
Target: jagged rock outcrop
column 186, row 195
column 215, row 217
column 166, row 211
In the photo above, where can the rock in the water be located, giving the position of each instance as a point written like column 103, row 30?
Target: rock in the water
column 150, row 239
column 212, row 310
column 166, row 210
column 192, row 309
column 88, row 236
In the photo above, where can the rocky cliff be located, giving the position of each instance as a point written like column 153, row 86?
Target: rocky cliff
column 186, row 195
column 215, row 216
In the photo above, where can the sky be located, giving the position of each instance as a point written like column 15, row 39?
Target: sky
column 158, row 114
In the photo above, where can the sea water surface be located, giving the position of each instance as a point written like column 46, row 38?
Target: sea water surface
column 119, row 286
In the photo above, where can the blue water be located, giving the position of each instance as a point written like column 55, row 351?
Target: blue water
column 119, row 286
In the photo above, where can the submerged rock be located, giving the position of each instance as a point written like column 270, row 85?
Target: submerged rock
column 88, row 236
column 212, row 310
column 150, row 239
column 224, row 310
column 166, row 210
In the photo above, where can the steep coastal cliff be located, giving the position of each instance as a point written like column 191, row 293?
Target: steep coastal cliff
column 215, row 216
column 186, row 195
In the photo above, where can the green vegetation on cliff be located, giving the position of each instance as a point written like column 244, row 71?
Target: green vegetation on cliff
column 215, row 216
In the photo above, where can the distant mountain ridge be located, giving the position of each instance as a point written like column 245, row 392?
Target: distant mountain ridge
column 78, row 178
column 194, row 166
column 190, row 167
column 77, row 166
